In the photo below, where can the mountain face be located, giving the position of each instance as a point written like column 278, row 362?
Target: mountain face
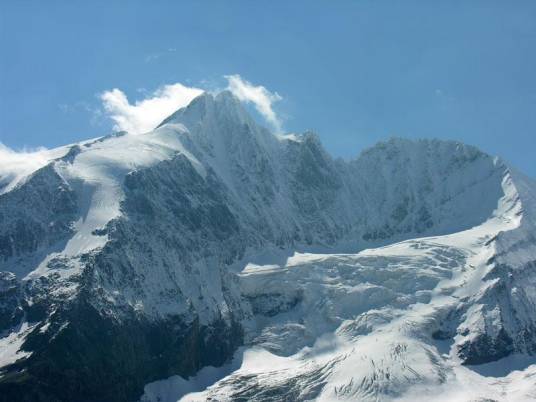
column 211, row 242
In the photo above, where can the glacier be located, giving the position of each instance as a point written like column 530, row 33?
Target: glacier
column 210, row 259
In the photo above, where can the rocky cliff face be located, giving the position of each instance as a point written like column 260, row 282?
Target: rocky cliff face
column 36, row 215
column 119, row 260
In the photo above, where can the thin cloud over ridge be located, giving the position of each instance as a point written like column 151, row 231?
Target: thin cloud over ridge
column 261, row 98
column 14, row 165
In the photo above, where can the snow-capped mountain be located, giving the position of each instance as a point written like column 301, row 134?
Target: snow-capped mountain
column 210, row 258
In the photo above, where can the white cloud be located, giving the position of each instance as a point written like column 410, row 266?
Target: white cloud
column 145, row 115
column 152, row 57
column 14, row 165
column 258, row 95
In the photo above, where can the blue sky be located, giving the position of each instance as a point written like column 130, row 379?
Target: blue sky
column 354, row 72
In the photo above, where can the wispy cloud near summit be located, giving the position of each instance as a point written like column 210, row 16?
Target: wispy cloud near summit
column 262, row 98
column 144, row 115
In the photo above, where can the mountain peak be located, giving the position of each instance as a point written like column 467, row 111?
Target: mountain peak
column 223, row 104
column 226, row 96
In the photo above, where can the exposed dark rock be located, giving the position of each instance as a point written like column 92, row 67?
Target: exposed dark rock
column 485, row 349
column 36, row 214
column 85, row 356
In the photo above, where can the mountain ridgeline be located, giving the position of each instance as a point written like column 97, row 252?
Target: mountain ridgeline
column 119, row 260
